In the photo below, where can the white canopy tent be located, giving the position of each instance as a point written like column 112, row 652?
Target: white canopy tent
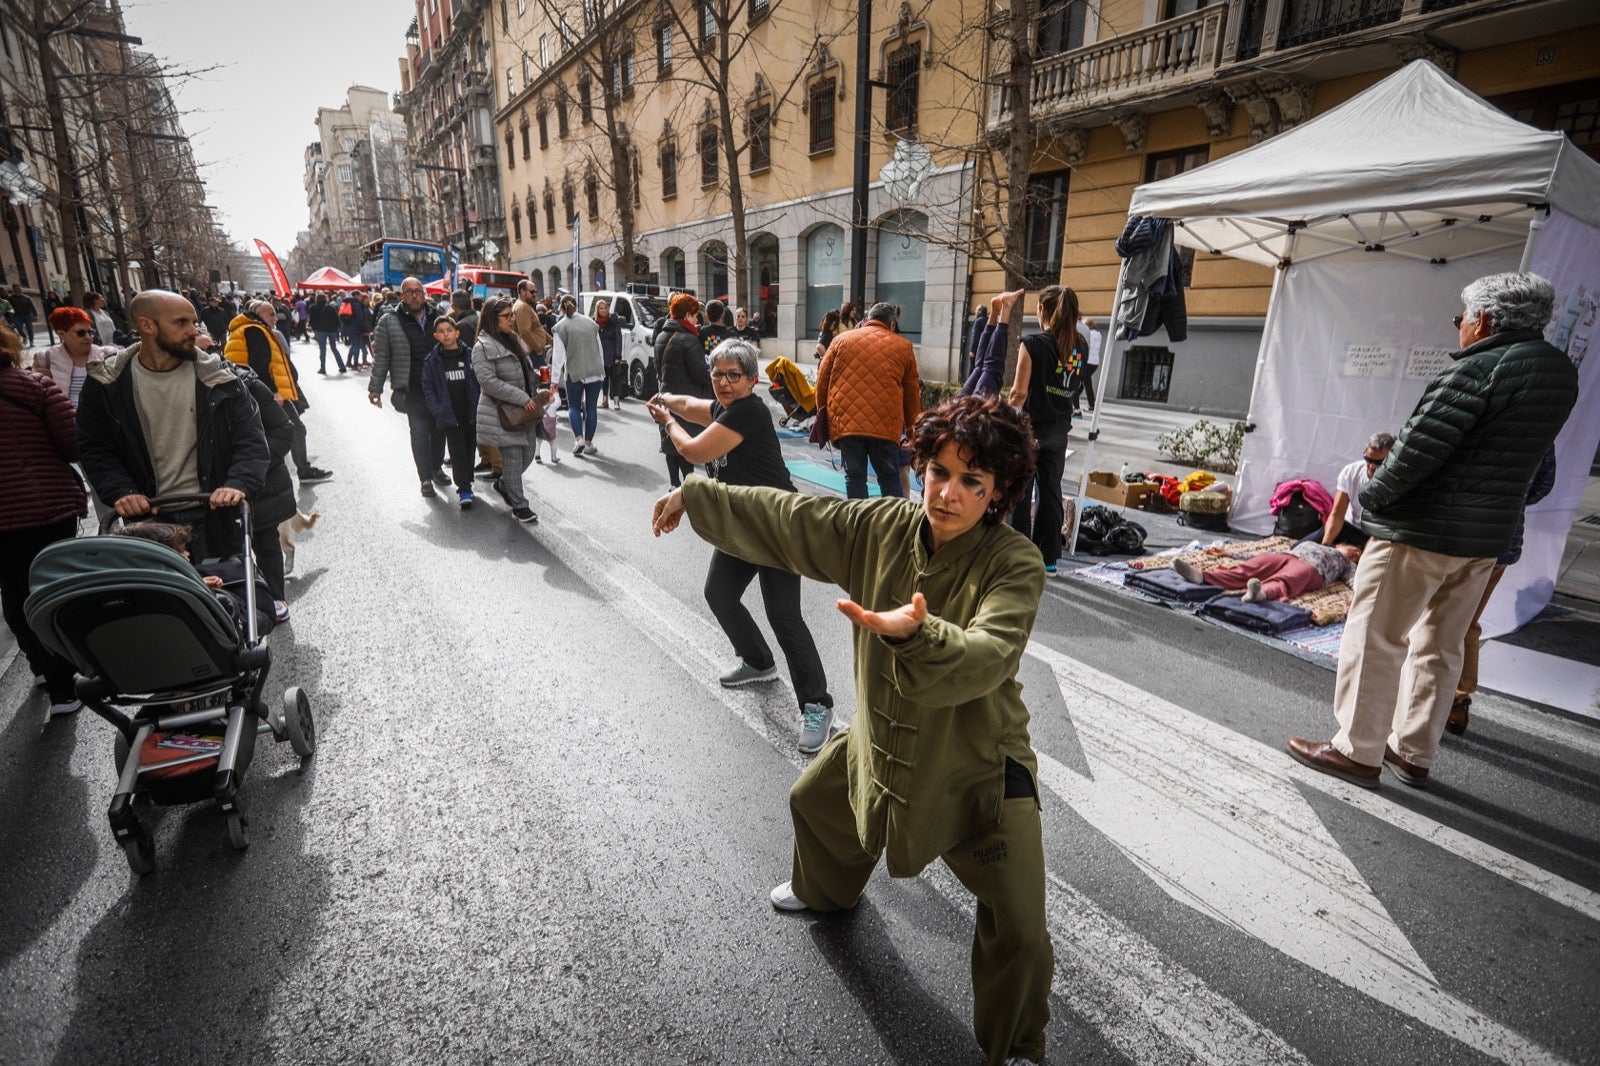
column 1377, row 213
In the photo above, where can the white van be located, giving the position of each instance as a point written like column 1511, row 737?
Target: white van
column 639, row 311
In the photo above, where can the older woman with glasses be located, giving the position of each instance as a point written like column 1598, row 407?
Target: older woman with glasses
column 740, row 447
column 66, row 364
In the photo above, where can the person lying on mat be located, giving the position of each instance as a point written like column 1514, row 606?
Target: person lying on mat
column 1306, row 567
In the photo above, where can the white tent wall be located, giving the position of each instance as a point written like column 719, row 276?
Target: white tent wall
column 1567, row 252
column 1347, row 351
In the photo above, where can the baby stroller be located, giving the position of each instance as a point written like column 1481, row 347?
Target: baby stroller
column 792, row 391
column 178, row 668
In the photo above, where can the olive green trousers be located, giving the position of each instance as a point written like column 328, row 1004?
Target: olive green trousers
column 1012, row 961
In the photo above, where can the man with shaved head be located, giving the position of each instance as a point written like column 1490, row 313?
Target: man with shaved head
column 162, row 418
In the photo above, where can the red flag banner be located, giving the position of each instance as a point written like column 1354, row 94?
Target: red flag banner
column 280, row 280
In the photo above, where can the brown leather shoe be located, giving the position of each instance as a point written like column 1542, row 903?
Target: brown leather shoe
column 1323, row 756
column 1408, row 772
column 1456, row 724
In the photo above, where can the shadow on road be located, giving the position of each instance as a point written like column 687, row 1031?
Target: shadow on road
column 45, row 837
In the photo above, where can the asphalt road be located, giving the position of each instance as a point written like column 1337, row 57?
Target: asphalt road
column 537, row 831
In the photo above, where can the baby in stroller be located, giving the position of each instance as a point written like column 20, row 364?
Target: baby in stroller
column 176, row 664
column 224, row 577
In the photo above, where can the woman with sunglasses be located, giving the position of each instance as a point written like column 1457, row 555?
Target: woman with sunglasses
column 1343, row 524
column 740, row 447
column 66, row 363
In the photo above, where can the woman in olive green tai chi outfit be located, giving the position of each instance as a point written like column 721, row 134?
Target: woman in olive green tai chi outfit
column 937, row 763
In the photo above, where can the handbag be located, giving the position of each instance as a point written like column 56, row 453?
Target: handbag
column 819, row 428
column 517, row 416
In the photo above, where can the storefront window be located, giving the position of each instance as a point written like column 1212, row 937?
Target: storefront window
column 763, row 300
column 824, row 275
column 903, row 268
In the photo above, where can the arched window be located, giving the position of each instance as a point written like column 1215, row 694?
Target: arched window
column 511, row 148
column 555, row 280
column 714, row 271
column 516, row 223
column 674, row 269
column 824, row 274
column 903, row 267
column 762, row 301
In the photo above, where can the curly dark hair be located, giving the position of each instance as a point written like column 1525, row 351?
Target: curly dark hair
column 991, row 436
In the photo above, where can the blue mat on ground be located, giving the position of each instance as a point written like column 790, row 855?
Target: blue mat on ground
column 1262, row 616
column 824, row 475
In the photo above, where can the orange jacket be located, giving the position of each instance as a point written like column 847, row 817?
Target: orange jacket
column 868, row 382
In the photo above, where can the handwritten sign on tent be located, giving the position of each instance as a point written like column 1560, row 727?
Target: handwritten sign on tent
column 1425, row 363
column 1369, row 361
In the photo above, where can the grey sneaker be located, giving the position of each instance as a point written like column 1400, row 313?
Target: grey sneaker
column 745, row 674
column 441, row 479
column 817, row 727
column 784, row 899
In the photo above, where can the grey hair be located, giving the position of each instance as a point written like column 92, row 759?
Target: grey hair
column 741, row 350
column 257, row 305
column 1512, row 301
column 1381, row 442
column 737, row 311
column 883, row 312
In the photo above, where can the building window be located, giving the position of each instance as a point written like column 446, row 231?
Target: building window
column 511, row 145
column 505, row 17
column 663, row 48
column 1160, row 165
column 669, row 168
column 566, row 32
column 516, row 223
column 1146, row 373
column 549, row 211
column 760, row 138
column 591, row 14
column 708, row 22
column 591, row 195
column 636, row 173
column 820, row 106
column 511, row 83
column 562, row 128
column 344, row 173
column 527, row 70
column 1060, row 25
column 1045, row 228
column 903, row 64
column 585, row 101
column 544, row 51
column 527, row 150
column 759, row 9
column 544, row 129
column 568, row 212
column 708, row 155
column 522, row 6
column 622, row 74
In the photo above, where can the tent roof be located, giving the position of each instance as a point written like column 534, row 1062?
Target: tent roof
column 330, row 278
column 1417, row 164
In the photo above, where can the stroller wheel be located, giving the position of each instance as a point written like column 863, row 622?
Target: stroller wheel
column 141, row 852
column 298, row 723
column 236, row 831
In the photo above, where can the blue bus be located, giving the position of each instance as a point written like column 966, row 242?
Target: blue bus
column 388, row 262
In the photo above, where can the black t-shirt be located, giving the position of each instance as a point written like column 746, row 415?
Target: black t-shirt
column 1052, row 381
column 758, row 460
column 713, row 335
column 457, row 365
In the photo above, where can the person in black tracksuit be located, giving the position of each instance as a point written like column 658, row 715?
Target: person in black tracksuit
column 451, row 390
column 325, row 324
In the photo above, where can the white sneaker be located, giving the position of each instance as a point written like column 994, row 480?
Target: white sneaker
column 784, row 899
column 72, row 706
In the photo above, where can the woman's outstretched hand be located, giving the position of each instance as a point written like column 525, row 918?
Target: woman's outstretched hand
column 901, row 623
column 668, row 513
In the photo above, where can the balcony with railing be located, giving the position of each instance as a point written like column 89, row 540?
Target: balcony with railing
column 1172, row 56
column 1314, row 30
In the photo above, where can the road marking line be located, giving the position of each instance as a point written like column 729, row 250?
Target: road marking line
column 1215, row 819
column 1151, row 1009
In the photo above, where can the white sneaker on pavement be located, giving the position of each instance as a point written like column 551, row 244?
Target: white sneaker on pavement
column 784, row 899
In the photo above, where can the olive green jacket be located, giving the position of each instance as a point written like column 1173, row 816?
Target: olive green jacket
column 938, row 714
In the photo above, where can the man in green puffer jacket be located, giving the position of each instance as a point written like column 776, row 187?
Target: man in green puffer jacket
column 1440, row 510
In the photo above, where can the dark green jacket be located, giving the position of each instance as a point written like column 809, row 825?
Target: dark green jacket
column 1457, row 477
column 937, row 715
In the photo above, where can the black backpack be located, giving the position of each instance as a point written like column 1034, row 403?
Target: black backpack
column 1297, row 518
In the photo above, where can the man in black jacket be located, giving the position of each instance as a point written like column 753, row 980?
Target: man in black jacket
column 1440, row 509
column 161, row 418
column 325, row 323
column 401, row 340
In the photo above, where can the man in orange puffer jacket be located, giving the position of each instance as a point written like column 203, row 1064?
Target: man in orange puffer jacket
column 868, row 385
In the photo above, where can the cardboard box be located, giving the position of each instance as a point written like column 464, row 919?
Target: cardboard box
column 1109, row 488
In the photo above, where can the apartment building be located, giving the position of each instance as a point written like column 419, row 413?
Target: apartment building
column 447, row 100
column 1131, row 91
column 357, row 178
column 663, row 87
